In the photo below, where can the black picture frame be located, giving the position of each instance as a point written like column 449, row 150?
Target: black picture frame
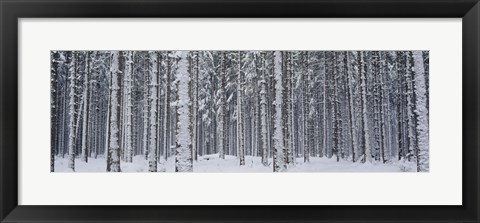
column 12, row 10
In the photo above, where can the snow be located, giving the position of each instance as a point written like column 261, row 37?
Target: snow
column 213, row 164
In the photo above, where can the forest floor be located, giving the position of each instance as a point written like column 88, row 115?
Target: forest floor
column 213, row 164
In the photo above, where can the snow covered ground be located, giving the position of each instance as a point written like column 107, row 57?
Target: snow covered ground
column 213, row 164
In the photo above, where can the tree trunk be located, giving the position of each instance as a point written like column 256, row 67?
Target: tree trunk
column 183, row 157
column 86, row 103
column 421, row 111
column 365, row 138
column 71, row 123
column 240, row 143
column 114, row 146
column 222, row 108
column 152, row 151
column 278, row 156
column 128, row 81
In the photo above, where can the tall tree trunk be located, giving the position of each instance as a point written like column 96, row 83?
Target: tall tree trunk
column 411, row 121
column 114, row 145
column 365, row 131
column 152, row 152
column 71, row 133
column 195, row 126
column 337, row 131
column 145, row 105
column 240, row 142
column 53, row 109
column 306, row 107
column 421, row 111
column 183, row 157
column 325, row 108
column 166, row 137
column 278, row 156
column 86, row 103
column 351, row 107
column 128, row 81
column 263, row 112
column 222, row 108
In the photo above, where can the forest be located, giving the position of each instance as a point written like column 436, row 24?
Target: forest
column 239, row 111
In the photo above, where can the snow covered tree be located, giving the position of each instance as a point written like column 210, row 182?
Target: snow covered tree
column 152, row 151
column 183, row 156
column 86, row 90
column 72, row 67
column 195, row 70
column 240, row 138
column 166, row 137
column 113, row 163
column 263, row 114
column 279, row 156
column 222, row 104
column 54, row 83
column 366, row 151
column 421, row 114
column 337, row 126
column 128, row 105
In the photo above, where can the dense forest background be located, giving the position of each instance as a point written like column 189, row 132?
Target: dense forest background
column 278, row 108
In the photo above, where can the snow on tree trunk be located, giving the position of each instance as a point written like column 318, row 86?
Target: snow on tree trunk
column 195, row 70
column 166, row 133
column 114, row 146
column 410, row 108
column 53, row 108
column 285, row 109
column 337, row 122
column 183, row 156
column 71, row 104
column 324, row 149
column 306, row 107
column 421, row 112
column 152, row 151
column 128, row 108
column 365, row 131
column 86, row 89
column 240, row 142
column 222, row 108
column 145, row 109
column 279, row 156
column 351, row 107
column 263, row 117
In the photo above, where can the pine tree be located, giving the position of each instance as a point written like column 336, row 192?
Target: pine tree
column 337, row 123
column 279, row 156
column 240, row 138
column 152, row 151
column 72, row 67
column 351, row 106
column 128, row 108
column 183, row 156
column 86, row 91
column 263, row 112
column 421, row 113
column 365, row 130
column 222, row 104
column 166, row 137
column 113, row 165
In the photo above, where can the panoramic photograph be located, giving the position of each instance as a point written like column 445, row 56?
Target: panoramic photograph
column 239, row 111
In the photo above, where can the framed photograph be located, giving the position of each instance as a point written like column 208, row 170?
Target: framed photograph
column 228, row 111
